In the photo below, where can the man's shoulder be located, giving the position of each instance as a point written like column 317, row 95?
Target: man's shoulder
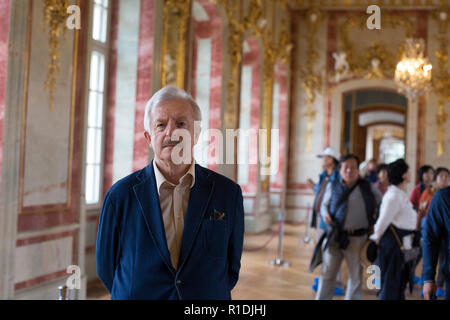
column 368, row 186
column 219, row 179
column 394, row 195
column 442, row 195
column 336, row 183
column 126, row 183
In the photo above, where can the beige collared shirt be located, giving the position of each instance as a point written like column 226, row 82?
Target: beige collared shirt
column 174, row 200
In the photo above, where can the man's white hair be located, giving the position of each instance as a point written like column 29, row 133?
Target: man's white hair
column 169, row 93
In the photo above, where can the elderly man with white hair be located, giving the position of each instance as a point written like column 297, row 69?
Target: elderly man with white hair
column 172, row 230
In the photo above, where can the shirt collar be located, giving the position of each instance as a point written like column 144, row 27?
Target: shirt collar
column 160, row 179
column 396, row 189
column 343, row 182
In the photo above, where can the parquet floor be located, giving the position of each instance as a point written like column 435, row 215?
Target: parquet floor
column 259, row 280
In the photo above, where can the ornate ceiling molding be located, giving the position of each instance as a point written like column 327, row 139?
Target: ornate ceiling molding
column 359, row 4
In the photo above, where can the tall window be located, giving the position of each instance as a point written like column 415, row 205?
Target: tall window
column 98, row 50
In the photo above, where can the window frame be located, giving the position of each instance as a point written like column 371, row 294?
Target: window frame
column 102, row 48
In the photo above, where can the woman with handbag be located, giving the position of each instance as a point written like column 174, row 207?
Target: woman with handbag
column 393, row 232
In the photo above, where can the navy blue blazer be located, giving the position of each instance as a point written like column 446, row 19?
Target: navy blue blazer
column 133, row 260
column 437, row 230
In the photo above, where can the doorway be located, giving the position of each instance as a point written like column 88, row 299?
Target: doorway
column 373, row 123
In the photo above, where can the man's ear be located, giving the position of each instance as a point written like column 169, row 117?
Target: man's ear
column 148, row 138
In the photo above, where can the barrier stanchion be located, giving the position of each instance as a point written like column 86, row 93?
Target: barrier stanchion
column 65, row 293
column 307, row 238
column 279, row 261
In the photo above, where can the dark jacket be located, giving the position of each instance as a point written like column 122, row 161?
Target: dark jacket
column 338, row 209
column 437, row 230
column 334, row 176
column 133, row 260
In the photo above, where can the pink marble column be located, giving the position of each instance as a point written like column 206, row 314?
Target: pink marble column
column 143, row 90
column 253, row 58
column 4, row 37
column 211, row 28
column 111, row 99
column 281, row 78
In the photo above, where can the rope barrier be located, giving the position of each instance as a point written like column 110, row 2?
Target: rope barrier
column 272, row 236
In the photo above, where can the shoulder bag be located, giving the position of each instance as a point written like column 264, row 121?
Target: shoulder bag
column 408, row 254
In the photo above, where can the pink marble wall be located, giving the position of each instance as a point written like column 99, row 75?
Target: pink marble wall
column 54, row 275
column 281, row 77
column 143, row 90
column 205, row 30
column 46, row 216
column 111, row 99
column 4, row 37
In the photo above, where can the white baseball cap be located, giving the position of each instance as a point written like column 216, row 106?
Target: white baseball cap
column 329, row 151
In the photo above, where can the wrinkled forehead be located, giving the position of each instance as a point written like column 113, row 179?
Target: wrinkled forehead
column 173, row 108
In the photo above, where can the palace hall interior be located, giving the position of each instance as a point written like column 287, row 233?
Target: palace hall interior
column 304, row 79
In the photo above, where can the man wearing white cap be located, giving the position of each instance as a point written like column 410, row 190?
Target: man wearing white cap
column 329, row 157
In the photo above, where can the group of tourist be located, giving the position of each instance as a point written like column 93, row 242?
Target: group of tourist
column 358, row 204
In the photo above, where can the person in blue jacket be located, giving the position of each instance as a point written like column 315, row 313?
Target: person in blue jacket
column 172, row 230
column 437, row 230
column 330, row 173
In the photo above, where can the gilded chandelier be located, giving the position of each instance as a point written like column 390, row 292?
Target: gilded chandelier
column 413, row 72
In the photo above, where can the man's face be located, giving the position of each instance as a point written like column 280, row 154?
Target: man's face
column 165, row 118
column 327, row 162
column 349, row 171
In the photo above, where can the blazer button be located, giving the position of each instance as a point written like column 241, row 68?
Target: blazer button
column 179, row 282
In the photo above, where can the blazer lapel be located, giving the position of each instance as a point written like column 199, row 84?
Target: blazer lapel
column 147, row 195
column 199, row 198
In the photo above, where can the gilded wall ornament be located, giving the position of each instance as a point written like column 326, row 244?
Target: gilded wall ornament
column 272, row 53
column 236, row 30
column 376, row 61
column 237, row 26
column 176, row 15
column 364, row 3
column 441, row 76
column 311, row 78
column 341, row 66
column 55, row 15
